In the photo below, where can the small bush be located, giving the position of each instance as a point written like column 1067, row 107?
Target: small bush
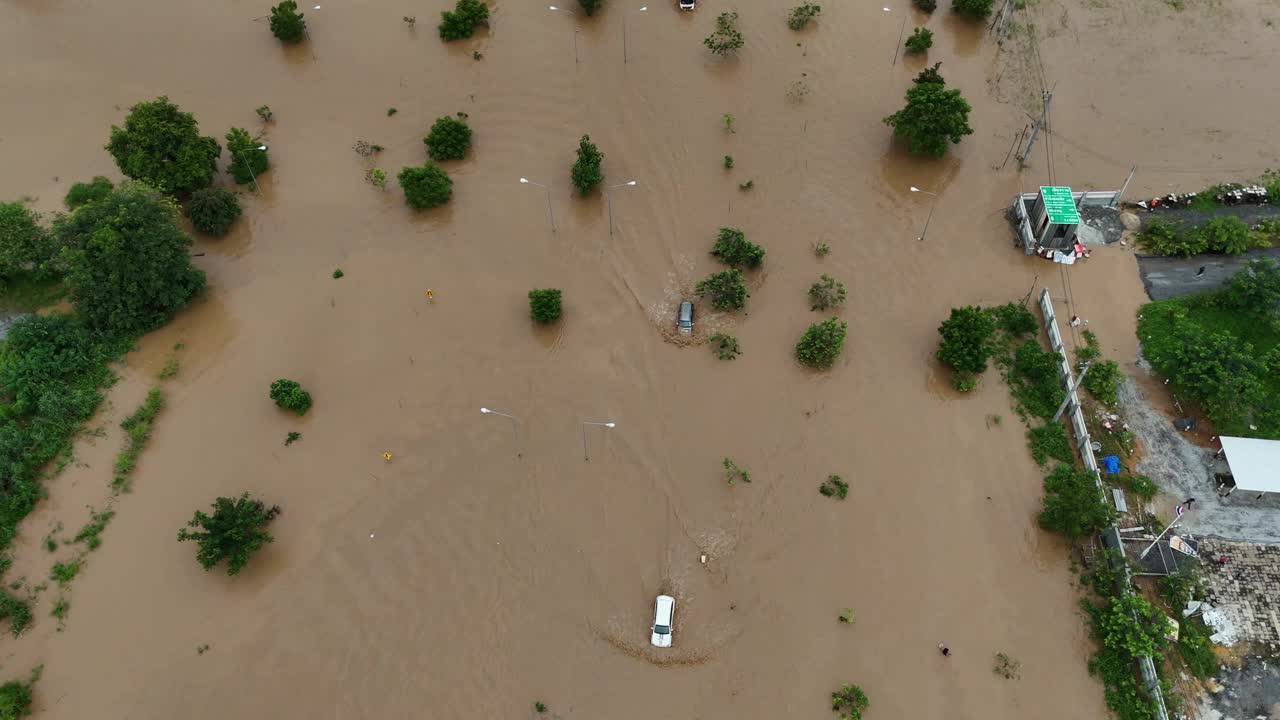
column 834, row 487
column 248, row 160
column 976, row 9
column 585, row 173
column 821, row 344
column 1177, row 588
column 1161, row 237
column 292, row 438
column 966, row 339
column 728, row 162
column 1007, row 667
column 726, row 290
column 733, row 473
column 287, row 23
column 91, row 533
column 377, row 177
column 338, row 274
column 289, row 395
column 60, row 610
column 826, row 293
column 734, row 250
column 1072, row 504
column 25, row 244
column 1033, row 380
column 449, row 138
column 589, row 7
column 17, row 610
column 821, row 249
column 801, row 15
column 64, row 572
column 1140, row 485
column 746, row 185
column 921, row 39
column 1103, row 381
column 925, row 5
column 726, row 38
column 213, row 210
column 15, row 700
column 1226, row 234
column 1050, row 441
column 850, row 702
column 461, row 22
column 85, row 193
column 725, row 346
column 539, row 707
column 425, row 187
column 265, row 114
column 236, row 529
column 544, row 305
column 1196, row 648
column 727, row 120
column 848, row 617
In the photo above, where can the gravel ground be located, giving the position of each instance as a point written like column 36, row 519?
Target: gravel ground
column 1182, row 470
column 1248, row 693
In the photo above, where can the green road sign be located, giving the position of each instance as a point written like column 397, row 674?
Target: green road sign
column 1062, row 209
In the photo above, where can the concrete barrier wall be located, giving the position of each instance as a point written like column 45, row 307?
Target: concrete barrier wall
column 1146, row 665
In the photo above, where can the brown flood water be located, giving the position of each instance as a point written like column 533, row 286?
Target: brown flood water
column 459, row 581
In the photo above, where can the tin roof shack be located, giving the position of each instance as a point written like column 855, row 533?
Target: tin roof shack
column 1251, row 465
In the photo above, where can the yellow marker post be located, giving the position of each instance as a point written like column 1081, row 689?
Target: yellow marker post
column 386, row 456
column 430, row 295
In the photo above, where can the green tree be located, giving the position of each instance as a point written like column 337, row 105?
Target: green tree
column 544, row 305
column 821, row 344
column 129, row 264
column 925, row 5
column 1120, row 632
column 449, row 138
column 585, row 173
column 213, row 210
column 1016, row 319
column 932, row 117
column 826, row 293
column 162, row 145
column 850, row 701
column 25, row 244
column 726, row 38
column 234, row 532
column 733, row 249
column 1221, row 371
column 921, row 39
column 726, row 289
column 1103, row 381
column 966, row 339
column 425, row 187
column 1073, row 505
column 1160, row 237
column 289, row 395
column 976, row 9
column 248, row 158
column 1256, row 287
column 287, row 23
column 462, row 20
column 85, row 193
column 930, row 75
column 801, row 15
column 590, row 6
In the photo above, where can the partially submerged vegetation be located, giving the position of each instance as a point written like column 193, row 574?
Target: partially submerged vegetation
column 933, row 117
column 233, row 533
column 1222, row 349
column 1224, row 234
column 137, row 429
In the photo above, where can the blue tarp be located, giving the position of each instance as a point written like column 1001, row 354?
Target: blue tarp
column 1111, row 464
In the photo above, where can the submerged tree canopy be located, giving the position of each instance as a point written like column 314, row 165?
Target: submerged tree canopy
column 162, row 145
column 933, row 117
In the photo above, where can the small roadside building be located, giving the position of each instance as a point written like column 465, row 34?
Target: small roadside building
column 1251, row 465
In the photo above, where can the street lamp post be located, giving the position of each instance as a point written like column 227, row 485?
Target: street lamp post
column 575, row 30
column 624, row 31
column 515, row 433
column 249, row 165
column 933, row 204
column 585, row 423
column 550, row 212
column 608, row 195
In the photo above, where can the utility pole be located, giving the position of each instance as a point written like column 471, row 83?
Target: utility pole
column 1124, row 187
column 1066, row 400
column 1047, row 96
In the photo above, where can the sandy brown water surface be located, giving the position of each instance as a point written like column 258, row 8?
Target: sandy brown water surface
column 462, row 581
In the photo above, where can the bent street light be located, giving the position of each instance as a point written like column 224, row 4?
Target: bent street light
column 550, row 212
column 915, row 189
column 248, row 165
column 515, row 434
column 624, row 31
column 585, row 423
column 557, row 8
column 608, row 195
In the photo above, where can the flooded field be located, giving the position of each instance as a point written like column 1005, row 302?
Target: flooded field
column 461, row 580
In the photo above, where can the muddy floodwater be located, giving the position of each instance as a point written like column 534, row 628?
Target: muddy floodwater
column 464, row 580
